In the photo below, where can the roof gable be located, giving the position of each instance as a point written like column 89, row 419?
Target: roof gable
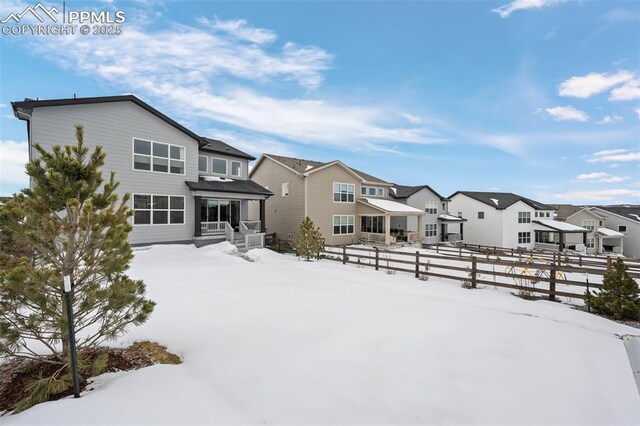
column 402, row 191
column 630, row 211
column 502, row 200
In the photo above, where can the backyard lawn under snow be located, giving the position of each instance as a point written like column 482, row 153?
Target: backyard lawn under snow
column 278, row 341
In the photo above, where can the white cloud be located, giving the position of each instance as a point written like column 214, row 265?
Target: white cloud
column 13, row 157
column 210, row 74
column 593, row 83
column 637, row 110
column 600, row 177
column 607, row 194
column 251, row 143
column 3, row 105
column 608, row 119
column 567, row 113
column 621, row 15
column 506, row 10
column 627, row 92
column 613, row 155
column 240, row 29
column 413, row 119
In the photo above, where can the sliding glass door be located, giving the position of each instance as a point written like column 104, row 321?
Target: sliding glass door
column 220, row 211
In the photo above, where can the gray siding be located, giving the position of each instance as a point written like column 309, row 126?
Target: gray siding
column 114, row 125
column 244, row 162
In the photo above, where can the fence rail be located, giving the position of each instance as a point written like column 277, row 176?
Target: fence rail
column 549, row 277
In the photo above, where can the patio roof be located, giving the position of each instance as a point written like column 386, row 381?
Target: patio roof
column 449, row 218
column 606, row 232
column 391, row 207
column 562, row 227
column 240, row 186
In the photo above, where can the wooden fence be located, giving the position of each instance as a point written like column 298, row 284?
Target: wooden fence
column 551, row 278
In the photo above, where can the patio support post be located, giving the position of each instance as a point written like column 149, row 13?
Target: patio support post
column 461, row 231
column 443, row 232
column 387, row 229
column 421, row 230
column 621, row 245
column 197, row 200
column 263, row 224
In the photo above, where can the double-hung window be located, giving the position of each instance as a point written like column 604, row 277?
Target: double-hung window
column 343, row 225
column 158, row 157
column 236, row 168
column 589, row 224
column 524, row 237
column 430, row 229
column 158, row 209
column 524, row 217
column 591, row 242
column 343, row 192
column 203, row 164
column 371, row 191
column 431, row 207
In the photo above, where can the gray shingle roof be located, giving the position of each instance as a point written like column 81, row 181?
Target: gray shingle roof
column 301, row 166
column 219, row 147
column 563, row 211
column 630, row 211
column 237, row 186
column 505, row 199
column 403, row 191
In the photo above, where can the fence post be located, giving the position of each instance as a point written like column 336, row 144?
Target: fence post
column 437, row 248
column 377, row 257
column 608, row 263
column 580, row 259
column 417, row 264
column 460, row 251
column 474, row 271
column 344, row 255
column 552, row 280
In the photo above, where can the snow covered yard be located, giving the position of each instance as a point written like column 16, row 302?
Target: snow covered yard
column 284, row 341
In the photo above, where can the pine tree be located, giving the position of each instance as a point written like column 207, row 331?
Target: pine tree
column 67, row 223
column 619, row 296
column 308, row 240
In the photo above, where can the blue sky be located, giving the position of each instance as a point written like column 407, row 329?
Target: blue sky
column 537, row 97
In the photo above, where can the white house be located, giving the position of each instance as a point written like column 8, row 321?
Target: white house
column 439, row 225
column 508, row 220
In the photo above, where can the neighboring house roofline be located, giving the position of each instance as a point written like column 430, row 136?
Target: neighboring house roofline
column 22, row 111
column 411, row 190
column 511, row 199
column 586, row 210
column 615, row 214
column 261, row 159
column 347, row 169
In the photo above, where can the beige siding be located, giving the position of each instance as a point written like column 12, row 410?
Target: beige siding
column 284, row 214
column 320, row 205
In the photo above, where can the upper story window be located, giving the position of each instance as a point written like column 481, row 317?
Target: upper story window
column 158, row 157
column 524, row 217
column 622, row 228
column 480, row 215
column 431, row 207
column 219, row 166
column 589, row 224
column 371, row 191
column 203, row 164
column 236, row 168
column 343, row 192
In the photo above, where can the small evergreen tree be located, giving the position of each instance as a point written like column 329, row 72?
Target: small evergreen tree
column 308, row 240
column 619, row 296
column 67, row 223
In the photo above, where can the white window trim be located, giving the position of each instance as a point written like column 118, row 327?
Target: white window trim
column 343, row 215
column 231, row 169
column 622, row 226
column 367, row 189
column 206, row 164
column 133, row 154
column 524, row 235
column 524, row 216
column 343, row 202
column 430, row 205
column 169, row 210
column 591, row 240
column 226, row 167
column 433, row 228
column 591, row 229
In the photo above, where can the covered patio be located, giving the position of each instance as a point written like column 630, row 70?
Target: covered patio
column 375, row 221
column 552, row 235
column 444, row 221
column 609, row 241
column 222, row 211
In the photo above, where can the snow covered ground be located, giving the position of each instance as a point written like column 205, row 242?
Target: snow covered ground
column 281, row 341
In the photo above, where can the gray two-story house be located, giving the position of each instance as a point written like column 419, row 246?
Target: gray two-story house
column 184, row 187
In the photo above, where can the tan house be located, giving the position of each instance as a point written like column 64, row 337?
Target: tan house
column 348, row 205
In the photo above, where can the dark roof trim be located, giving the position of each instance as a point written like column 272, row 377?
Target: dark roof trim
column 216, row 146
column 408, row 191
column 560, row 231
column 29, row 104
column 514, row 198
column 237, row 187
